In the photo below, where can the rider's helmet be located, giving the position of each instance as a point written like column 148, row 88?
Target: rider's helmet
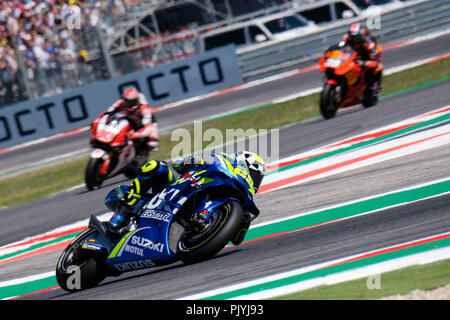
column 356, row 35
column 130, row 99
column 256, row 166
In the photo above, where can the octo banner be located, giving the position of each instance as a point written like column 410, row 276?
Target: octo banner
column 31, row 120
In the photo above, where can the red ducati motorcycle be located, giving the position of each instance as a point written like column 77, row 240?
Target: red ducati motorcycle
column 113, row 153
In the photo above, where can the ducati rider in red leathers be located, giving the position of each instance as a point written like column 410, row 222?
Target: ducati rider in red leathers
column 141, row 118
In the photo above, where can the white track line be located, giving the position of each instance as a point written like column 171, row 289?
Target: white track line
column 420, row 258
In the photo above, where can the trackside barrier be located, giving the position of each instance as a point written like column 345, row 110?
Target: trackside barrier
column 406, row 22
column 73, row 109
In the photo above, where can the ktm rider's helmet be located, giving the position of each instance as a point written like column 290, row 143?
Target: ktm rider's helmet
column 356, row 35
column 256, row 166
column 130, row 99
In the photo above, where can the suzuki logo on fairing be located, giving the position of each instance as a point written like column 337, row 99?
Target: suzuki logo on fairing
column 146, row 243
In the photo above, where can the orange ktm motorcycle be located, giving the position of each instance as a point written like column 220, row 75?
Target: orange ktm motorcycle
column 345, row 81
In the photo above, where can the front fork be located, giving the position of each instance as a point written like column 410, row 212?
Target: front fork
column 202, row 219
column 338, row 92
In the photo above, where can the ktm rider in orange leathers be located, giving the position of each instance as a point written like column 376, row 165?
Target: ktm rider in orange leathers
column 370, row 52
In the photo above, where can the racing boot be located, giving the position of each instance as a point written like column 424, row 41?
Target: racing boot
column 118, row 221
column 373, row 90
column 153, row 144
column 375, row 84
column 376, row 87
column 143, row 149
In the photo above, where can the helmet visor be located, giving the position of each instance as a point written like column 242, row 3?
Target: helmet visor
column 128, row 104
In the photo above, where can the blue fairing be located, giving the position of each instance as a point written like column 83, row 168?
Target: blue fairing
column 148, row 244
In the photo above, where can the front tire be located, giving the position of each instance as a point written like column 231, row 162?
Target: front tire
column 93, row 178
column 80, row 269
column 328, row 102
column 225, row 224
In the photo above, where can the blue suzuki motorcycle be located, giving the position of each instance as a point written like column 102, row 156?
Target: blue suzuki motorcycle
column 191, row 220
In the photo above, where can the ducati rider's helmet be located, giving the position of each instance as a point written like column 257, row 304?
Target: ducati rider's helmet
column 130, row 99
column 256, row 166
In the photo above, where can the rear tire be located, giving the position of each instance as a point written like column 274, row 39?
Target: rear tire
column 93, row 178
column 328, row 104
column 370, row 99
column 200, row 247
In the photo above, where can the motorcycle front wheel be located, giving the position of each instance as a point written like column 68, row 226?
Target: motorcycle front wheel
column 328, row 102
column 93, row 177
column 78, row 268
column 225, row 223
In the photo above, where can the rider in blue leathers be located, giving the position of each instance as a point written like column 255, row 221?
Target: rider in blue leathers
column 155, row 175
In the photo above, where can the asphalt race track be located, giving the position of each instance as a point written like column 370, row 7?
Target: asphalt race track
column 280, row 253
column 275, row 254
column 57, row 211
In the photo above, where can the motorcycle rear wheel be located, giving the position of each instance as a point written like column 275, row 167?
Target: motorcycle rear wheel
column 370, row 99
column 225, row 224
column 328, row 103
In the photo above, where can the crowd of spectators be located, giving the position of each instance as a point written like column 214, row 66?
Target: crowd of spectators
column 43, row 42
column 37, row 42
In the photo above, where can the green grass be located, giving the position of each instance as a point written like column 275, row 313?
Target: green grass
column 41, row 183
column 416, row 76
column 38, row 184
column 403, row 281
